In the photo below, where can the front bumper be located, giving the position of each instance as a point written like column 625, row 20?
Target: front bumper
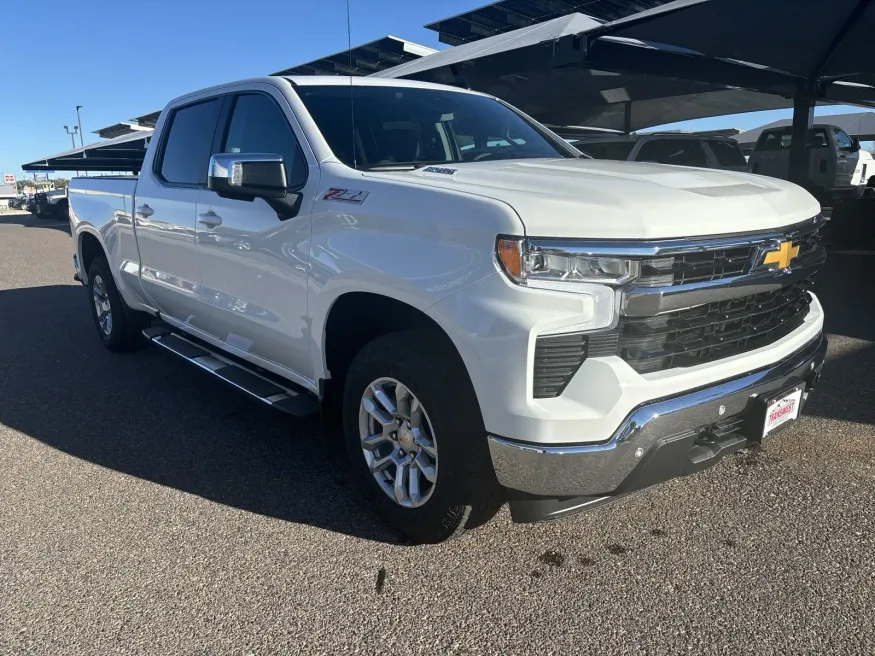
column 657, row 441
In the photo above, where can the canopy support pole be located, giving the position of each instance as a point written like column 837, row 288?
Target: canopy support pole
column 627, row 117
column 803, row 120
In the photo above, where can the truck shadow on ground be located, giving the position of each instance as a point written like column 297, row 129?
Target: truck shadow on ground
column 149, row 415
column 847, row 387
column 844, row 286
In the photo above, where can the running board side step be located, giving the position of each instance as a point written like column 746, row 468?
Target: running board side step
column 286, row 397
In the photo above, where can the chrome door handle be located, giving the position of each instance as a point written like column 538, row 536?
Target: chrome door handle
column 145, row 211
column 210, row 219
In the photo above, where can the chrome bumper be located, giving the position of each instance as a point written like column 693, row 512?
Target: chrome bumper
column 656, row 442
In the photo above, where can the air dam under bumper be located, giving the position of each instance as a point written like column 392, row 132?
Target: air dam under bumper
column 657, row 441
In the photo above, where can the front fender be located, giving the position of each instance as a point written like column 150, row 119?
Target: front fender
column 414, row 244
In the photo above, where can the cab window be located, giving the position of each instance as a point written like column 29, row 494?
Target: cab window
column 258, row 125
column 186, row 152
column 843, row 140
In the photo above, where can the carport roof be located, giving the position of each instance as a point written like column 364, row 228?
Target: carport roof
column 365, row 59
column 519, row 67
column 124, row 153
column 117, row 130
column 817, row 40
column 508, row 15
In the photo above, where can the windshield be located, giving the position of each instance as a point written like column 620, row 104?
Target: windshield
column 405, row 127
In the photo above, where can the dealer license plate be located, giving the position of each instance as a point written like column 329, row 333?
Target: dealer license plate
column 781, row 410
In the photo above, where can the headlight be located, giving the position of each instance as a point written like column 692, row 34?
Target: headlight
column 548, row 266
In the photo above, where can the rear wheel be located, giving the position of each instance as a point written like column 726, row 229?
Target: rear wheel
column 415, row 437
column 118, row 326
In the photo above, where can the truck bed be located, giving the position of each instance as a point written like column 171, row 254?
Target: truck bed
column 99, row 200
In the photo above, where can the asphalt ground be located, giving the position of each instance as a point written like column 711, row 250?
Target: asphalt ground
column 147, row 509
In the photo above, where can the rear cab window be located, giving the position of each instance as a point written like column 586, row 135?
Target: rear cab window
column 843, row 140
column 727, row 153
column 783, row 139
column 185, row 152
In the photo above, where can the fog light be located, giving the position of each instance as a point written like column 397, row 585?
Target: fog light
column 639, row 453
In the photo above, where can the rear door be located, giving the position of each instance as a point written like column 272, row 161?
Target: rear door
column 254, row 265
column 166, row 205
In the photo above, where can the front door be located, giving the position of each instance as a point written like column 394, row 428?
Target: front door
column 166, row 205
column 254, row 262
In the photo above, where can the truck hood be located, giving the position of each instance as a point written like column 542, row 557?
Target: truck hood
column 602, row 199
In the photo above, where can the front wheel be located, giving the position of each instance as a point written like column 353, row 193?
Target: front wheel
column 415, row 437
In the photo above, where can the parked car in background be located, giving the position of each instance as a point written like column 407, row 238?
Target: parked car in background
column 51, row 204
column 482, row 314
column 19, row 202
column 708, row 152
column 838, row 169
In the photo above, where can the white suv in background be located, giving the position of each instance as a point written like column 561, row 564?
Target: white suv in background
column 707, row 152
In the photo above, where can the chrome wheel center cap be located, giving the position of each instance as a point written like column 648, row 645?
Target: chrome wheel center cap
column 405, row 439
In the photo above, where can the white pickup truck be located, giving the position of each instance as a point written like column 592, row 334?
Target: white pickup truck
column 482, row 314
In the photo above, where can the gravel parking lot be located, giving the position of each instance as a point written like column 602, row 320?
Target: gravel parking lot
column 146, row 508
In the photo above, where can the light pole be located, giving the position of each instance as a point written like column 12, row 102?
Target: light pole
column 79, row 121
column 73, row 134
column 81, row 134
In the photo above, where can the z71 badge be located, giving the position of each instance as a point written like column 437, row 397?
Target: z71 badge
column 346, row 195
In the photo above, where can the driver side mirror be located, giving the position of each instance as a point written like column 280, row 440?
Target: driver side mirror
column 856, row 144
column 247, row 175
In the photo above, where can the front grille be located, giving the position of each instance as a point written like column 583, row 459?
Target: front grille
column 711, row 331
column 716, row 264
column 557, row 359
column 808, row 242
column 696, row 267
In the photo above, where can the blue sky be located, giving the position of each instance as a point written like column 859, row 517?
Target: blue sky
column 120, row 60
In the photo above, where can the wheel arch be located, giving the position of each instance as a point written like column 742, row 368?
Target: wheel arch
column 89, row 247
column 355, row 318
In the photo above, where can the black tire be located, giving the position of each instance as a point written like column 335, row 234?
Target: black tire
column 125, row 327
column 466, row 492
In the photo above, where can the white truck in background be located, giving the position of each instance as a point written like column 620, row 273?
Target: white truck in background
column 838, row 168
column 482, row 315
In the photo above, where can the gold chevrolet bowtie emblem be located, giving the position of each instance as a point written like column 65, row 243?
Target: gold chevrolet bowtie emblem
column 783, row 256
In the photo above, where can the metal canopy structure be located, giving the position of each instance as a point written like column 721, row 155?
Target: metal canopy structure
column 117, row 130
column 520, row 67
column 124, row 153
column 508, row 15
column 860, row 125
column 814, row 39
column 808, row 51
column 365, row 59
column 149, row 120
